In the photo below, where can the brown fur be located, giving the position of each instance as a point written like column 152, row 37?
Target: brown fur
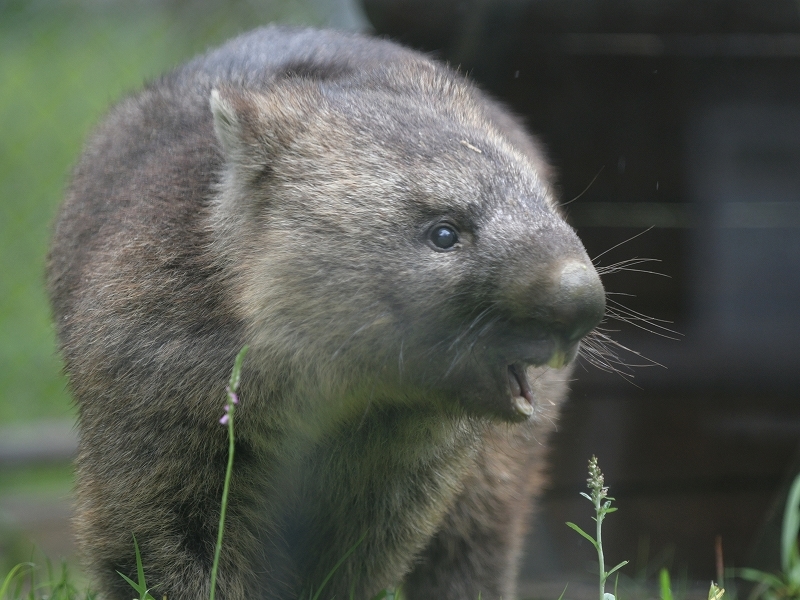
column 278, row 192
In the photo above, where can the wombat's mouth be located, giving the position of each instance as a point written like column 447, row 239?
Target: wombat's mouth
column 521, row 393
column 522, row 398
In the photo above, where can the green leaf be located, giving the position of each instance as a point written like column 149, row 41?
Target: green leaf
column 793, row 576
column 582, row 532
column 141, row 585
column 619, row 566
column 144, row 593
column 760, row 577
column 791, row 527
column 338, row 564
column 664, row 585
column 140, row 569
column 564, row 591
column 131, row 582
column 10, row 577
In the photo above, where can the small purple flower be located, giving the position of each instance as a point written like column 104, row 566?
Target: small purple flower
column 232, row 399
column 232, row 395
column 230, row 390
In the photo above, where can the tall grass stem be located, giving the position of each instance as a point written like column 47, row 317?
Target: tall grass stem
column 230, row 408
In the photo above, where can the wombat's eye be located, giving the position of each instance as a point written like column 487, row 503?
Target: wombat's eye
column 443, row 237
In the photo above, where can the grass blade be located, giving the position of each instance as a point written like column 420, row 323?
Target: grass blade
column 619, row 566
column 791, row 526
column 337, row 565
column 12, row 574
column 664, row 585
column 582, row 532
column 760, row 577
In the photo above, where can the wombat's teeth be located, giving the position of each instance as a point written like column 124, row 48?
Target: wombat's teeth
column 521, row 393
column 522, row 406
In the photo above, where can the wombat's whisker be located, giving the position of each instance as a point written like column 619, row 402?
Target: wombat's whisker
column 642, row 316
column 488, row 326
column 604, row 343
column 470, row 327
column 622, row 265
column 633, row 321
column 480, row 333
column 643, row 322
column 597, row 354
column 626, row 266
column 633, row 237
column 464, row 349
column 350, row 338
column 599, row 350
column 468, row 331
column 586, row 189
column 642, row 271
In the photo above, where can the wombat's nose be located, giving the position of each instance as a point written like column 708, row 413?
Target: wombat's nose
column 579, row 301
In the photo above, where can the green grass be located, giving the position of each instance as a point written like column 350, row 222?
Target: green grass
column 785, row 584
column 54, row 84
column 45, row 480
column 28, row 581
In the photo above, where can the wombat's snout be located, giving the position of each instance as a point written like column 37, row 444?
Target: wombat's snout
column 558, row 306
column 579, row 302
column 554, row 309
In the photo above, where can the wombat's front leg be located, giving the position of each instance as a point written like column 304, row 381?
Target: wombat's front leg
column 476, row 552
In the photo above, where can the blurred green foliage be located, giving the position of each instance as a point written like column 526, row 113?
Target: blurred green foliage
column 62, row 64
column 48, row 480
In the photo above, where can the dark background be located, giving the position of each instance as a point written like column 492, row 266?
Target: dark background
column 677, row 122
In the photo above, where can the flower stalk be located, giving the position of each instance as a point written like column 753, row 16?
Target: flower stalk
column 232, row 400
column 599, row 497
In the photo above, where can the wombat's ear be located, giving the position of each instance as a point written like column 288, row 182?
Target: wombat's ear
column 226, row 121
column 254, row 126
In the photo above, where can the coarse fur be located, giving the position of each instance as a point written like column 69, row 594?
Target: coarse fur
column 281, row 192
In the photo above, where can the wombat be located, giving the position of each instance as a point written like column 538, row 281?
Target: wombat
column 386, row 240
